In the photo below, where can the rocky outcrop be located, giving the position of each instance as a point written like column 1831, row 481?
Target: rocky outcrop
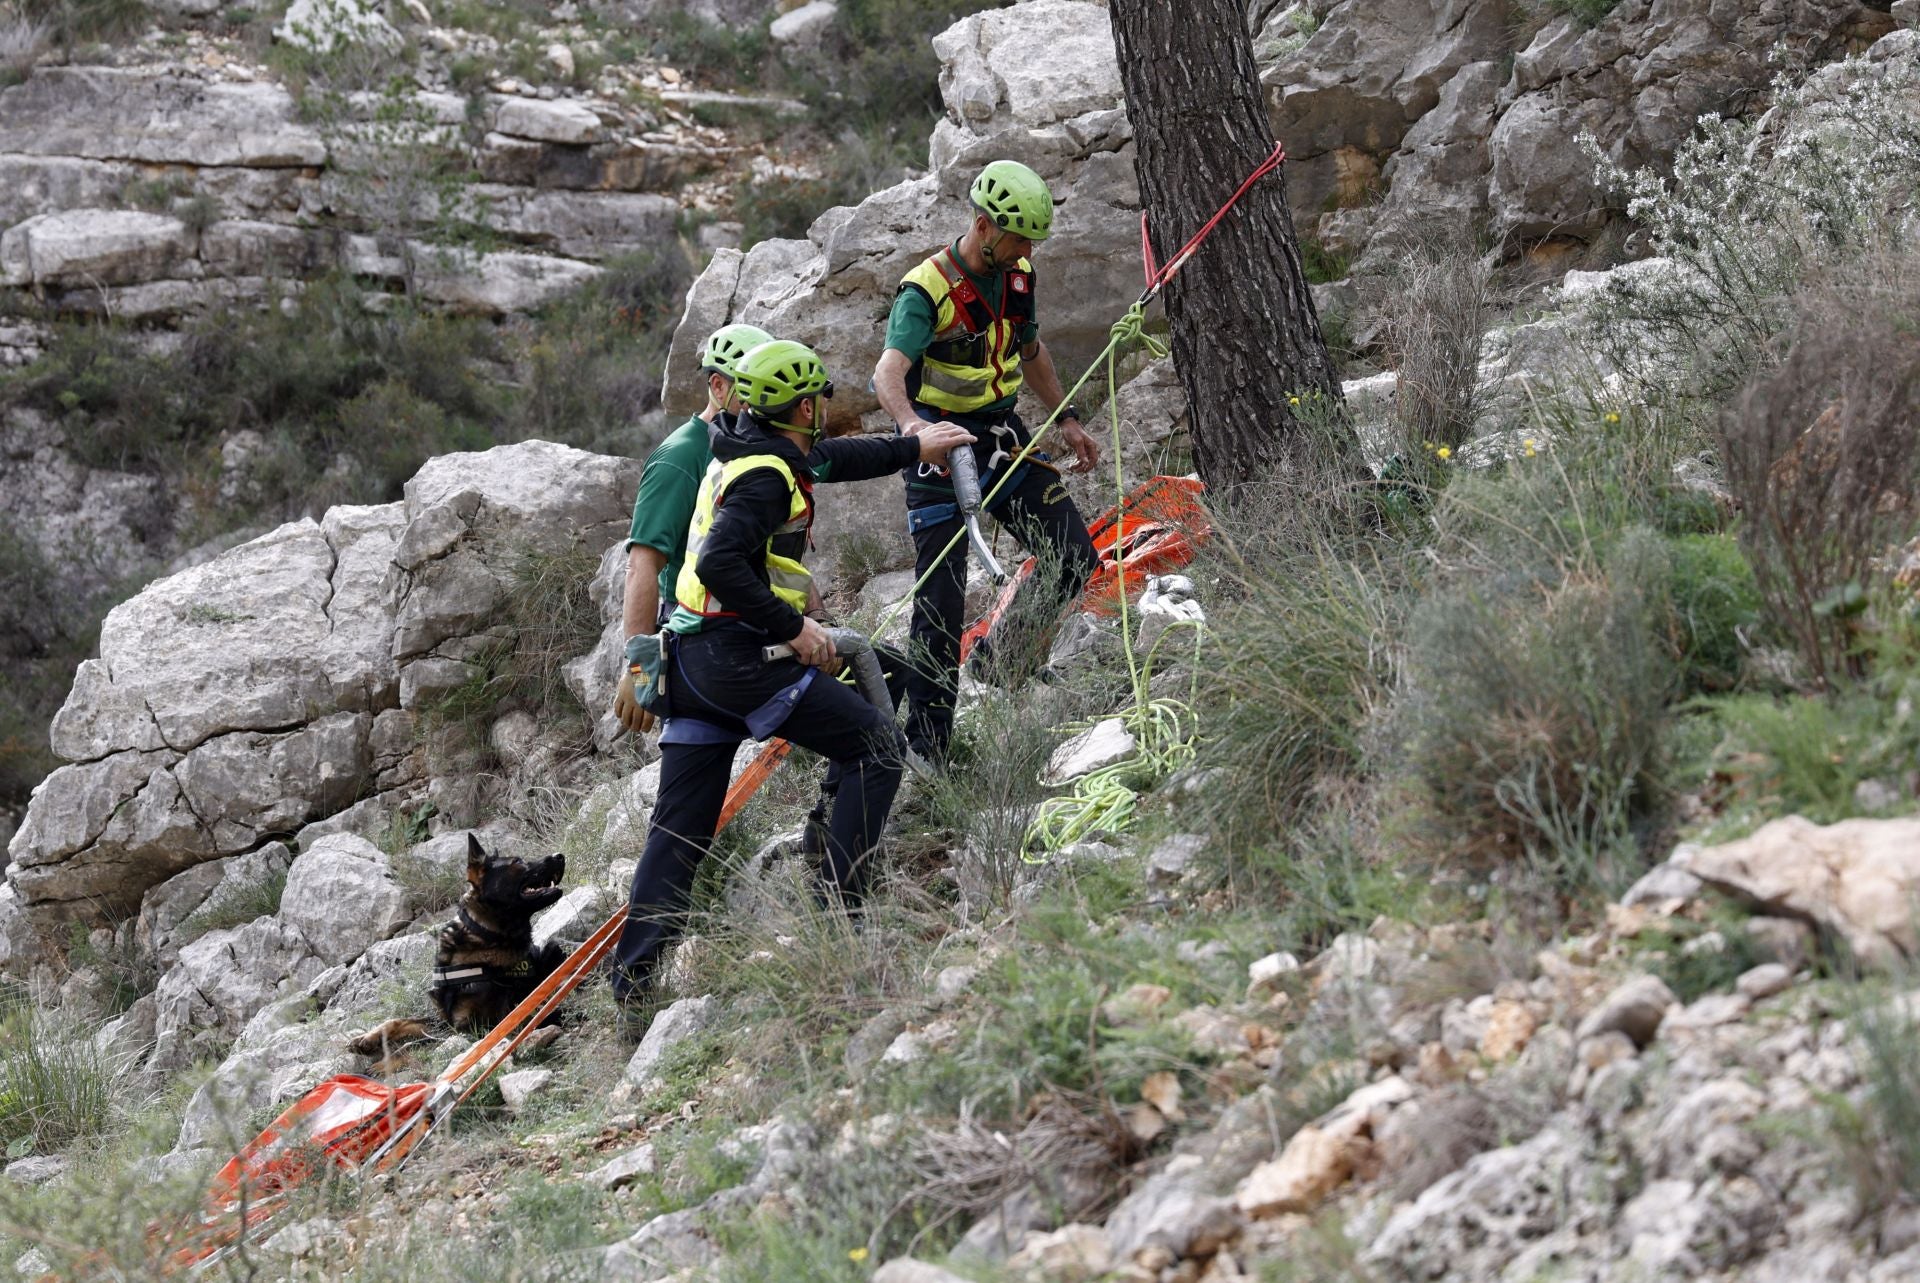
column 1423, row 106
column 274, row 686
column 247, row 192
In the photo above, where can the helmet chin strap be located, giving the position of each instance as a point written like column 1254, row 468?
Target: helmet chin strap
column 988, row 251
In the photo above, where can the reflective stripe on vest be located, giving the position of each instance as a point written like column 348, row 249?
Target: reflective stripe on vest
column 786, row 575
column 974, row 359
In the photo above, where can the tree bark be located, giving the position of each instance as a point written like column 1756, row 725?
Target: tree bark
column 1246, row 337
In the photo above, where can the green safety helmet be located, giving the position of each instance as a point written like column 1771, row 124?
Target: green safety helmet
column 1015, row 198
column 726, row 345
column 773, row 377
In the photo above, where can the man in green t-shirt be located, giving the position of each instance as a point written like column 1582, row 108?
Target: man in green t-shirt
column 962, row 339
column 662, row 511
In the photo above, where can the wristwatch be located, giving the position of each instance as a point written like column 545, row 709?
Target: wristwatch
column 1069, row 411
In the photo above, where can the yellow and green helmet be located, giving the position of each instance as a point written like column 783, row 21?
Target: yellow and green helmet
column 1015, row 198
column 771, row 378
column 726, row 345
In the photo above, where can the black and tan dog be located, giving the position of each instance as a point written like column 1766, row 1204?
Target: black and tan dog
column 487, row 962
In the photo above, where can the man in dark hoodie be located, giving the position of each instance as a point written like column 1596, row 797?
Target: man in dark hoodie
column 744, row 586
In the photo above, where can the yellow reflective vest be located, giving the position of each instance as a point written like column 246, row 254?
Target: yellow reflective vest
column 974, row 359
column 788, row 578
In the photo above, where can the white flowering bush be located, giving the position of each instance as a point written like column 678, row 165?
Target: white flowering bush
column 1752, row 209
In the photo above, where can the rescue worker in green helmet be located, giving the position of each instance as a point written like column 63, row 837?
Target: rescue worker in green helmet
column 744, row 586
column 669, row 483
column 963, row 338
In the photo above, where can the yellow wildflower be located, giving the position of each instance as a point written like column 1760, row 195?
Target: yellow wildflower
column 1612, row 417
column 857, row 1254
column 1445, row 453
column 1293, row 400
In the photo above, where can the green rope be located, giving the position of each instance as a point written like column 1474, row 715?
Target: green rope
column 1164, row 730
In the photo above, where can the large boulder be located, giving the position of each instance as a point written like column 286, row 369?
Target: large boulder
column 273, row 686
column 1857, row 879
column 230, row 703
column 94, row 246
column 341, row 898
column 1637, row 81
column 1429, row 108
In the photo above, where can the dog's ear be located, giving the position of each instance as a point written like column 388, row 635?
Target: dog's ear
column 476, row 861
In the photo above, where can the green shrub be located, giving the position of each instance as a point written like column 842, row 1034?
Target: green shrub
column 1298, row 667
column 55, row 1087
column 1808, row 754
column 1533, row 714
column 1747, row 212
column 1714, row 602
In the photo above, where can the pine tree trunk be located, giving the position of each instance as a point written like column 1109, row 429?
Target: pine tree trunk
column 1246, row 336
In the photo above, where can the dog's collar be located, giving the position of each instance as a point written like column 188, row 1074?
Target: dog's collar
column 488, row 934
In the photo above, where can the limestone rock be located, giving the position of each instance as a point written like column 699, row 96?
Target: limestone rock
column 623, row 1169
column 1764, row 981
column 805, row 28
column 37, row 1170
column 497, row 283
column 341, row 897
column 1474, row 1222
column 1510, row 1026
column 203, row 890
column 150, row 116
column 1070, row 1254
column 573, row 917
column 687, row 1018
column 1174, row 857
column 279, row 1067
column 1635, row 1009
column 327, row 26
column 1108, row 741
column 220, row 981
column 1662, row 884
column 94, row 246
column 1313, row 1165
column 559, row 121
column 1345, row 99
column 1857, row 878
column 517, row 1088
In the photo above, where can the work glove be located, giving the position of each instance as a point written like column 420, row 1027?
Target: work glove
column 639, row 684
column 627, row 710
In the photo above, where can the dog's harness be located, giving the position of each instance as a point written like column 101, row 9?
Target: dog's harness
column 479, row 974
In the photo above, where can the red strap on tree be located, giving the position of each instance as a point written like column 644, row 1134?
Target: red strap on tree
column 1158, row 276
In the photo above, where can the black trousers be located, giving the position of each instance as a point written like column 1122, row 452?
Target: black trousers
column 718, row 678
column 1047, row 524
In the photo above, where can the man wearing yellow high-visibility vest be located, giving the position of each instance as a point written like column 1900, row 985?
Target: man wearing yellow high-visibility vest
column 745, row 586
column 962, row 339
